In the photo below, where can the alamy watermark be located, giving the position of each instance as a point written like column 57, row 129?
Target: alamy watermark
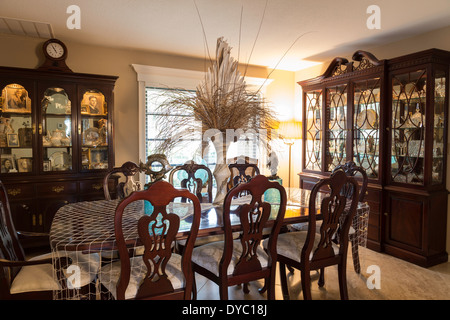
column 374, row 20
column 74, row 20
column 74, row 278
column 374, row 280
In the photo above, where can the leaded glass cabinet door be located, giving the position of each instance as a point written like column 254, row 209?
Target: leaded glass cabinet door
column 336, row 134
column 94, row 130
column 366, row 126
column 313, row 129
column 408, row 127
column 56, row 130
column 16, row 128
column 439, row 116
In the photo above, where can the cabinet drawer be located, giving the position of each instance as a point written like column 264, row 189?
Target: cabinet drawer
column 372, row 195
column 57, row 188
column 20, row 191
column 90, row 186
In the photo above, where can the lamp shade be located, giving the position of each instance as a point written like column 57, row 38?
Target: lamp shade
column 290, row 129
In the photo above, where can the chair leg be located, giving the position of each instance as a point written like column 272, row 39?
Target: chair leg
column 321, row 281
column 283, row 280
column 223, row 291
column 355, row 253
column 245, row 289
column 194, row 289
column 271, row 288
column 306, row 284
column 342, row 275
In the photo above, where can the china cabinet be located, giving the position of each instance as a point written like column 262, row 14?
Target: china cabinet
column 389, row 117
column 56, row 140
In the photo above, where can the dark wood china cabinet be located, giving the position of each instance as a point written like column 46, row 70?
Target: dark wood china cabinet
column 56, row 140
column 389, row 117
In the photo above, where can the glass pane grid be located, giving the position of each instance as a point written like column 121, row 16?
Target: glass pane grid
column 366, row 126
column 408, row 127
column 337, row 126
column 313, row 147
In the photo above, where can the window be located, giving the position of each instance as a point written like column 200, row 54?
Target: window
column 247, row 145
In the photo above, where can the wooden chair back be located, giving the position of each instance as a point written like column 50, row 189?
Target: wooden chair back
column 10, row 247
column 192, row 182
column 253, row 218
column 124, row 188
column 337, row 210
column 241, row 173
column 351, row 169
column 156, row 232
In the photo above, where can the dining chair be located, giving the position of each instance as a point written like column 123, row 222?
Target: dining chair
column 194, row 177
column 35, row 278
column 234, row 261
column 127, row 185
column 309, row 250
column 241, row 173
column 159, row 273
column 351, row 169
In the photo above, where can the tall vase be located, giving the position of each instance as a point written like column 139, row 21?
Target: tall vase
column 221, row 172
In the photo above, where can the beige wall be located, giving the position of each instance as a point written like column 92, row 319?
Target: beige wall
column 439, row 39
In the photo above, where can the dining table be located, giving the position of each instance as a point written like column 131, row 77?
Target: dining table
column 88, row 227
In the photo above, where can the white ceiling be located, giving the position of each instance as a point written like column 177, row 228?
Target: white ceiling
column 329, row 27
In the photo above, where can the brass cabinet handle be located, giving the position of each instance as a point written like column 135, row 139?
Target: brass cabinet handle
column 40, row 128
column 58, row 189
column 40, row 220
column 14, row 192
column 97, row 186
column 34, row 220
column 34, row 128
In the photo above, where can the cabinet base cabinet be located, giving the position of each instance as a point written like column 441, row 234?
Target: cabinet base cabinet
column 414, row 227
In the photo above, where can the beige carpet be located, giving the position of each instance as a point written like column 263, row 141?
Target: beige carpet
column 399, row 280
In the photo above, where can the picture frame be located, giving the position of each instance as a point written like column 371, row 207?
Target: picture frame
column 8, row 163
column 56, row 101
column 24, row 164
column 13, row 140
column 46, row 165
column 93, row 103
column 25, row 137
column 3, row 140
column 15, row 99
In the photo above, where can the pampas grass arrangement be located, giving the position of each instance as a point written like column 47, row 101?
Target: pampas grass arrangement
column 221, row 102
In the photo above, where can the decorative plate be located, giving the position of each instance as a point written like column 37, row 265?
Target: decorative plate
column 366, row 119
column 61, row 160
column 91, row 137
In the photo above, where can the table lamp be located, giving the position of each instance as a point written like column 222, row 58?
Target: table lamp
column 289, row 131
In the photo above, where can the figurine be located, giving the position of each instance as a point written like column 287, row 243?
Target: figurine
column 272, row 165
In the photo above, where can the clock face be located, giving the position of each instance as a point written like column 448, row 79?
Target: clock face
column 55, row 50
